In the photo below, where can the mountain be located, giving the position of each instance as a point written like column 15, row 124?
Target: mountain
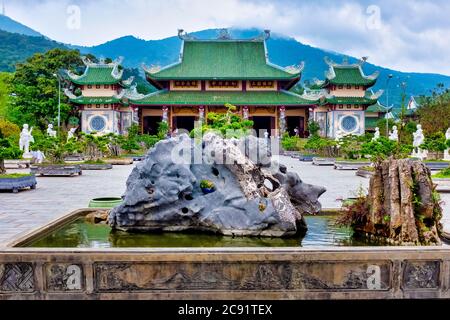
column 283, row 51
column 16, row 47
column 10, row 25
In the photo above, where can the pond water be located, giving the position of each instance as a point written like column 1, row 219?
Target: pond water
column 81, row 234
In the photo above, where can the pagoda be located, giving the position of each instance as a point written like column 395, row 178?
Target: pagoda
column 98, row 94
column 212, row 73
column 346, row 97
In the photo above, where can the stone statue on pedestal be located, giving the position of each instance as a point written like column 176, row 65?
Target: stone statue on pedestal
column 419, row 139
column 71, row 133
column 447, row 152
column 377, row 134
column 50, row 131
column 24, row 143
column 393, row 136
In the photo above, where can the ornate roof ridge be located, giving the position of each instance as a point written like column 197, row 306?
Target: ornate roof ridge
column 114, row 65
column 331, row 74
column 224, row 36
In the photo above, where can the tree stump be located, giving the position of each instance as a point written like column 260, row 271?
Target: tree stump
column 402, row 206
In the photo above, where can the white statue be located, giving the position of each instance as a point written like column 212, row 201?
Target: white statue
column 71, row 133
column 419, row 139
column 266, row 135
column 447, row 152
column 393, row 136
column 377, row 134
column 25, row 139
column 38, row 156
column 50, row 131
column 338, row 137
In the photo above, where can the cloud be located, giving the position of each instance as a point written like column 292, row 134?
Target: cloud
column 405, row 35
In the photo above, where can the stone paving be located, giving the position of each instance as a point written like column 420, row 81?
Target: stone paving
column 55, row 197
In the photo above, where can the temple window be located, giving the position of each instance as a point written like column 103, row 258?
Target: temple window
column 262, row 84
column 89, row 86
column 356, row 87
column 341, row 87
column 223, row 84
column 106, row 86
column 97, row 106
column 349, row 86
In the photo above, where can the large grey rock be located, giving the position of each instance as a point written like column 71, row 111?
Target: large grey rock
column 164, row 194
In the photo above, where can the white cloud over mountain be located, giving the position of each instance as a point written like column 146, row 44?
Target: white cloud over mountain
column 411, row 35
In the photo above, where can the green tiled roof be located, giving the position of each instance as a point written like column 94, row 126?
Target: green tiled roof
column 223, row 60
column 371, row 122
column 377, row 107
column 94, row 75
column 351, row 100
column 248, row 98
column 350, row 75
column 95, row 100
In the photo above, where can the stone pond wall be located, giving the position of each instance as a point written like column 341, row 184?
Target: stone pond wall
column 347, row 273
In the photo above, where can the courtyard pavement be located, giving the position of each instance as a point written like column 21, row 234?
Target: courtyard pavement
column 55, row 197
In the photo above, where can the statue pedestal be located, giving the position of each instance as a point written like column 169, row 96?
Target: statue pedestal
column 27, row 155
column 420, row 154
column 447, row 155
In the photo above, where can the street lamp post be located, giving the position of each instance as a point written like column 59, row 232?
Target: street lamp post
column 59, row 101
column 390, row 76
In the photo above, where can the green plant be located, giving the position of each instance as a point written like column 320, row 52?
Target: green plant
column 206, row 184
column 443, row 173
column 290, row 143
column 321, row 146
column 383, row 148
column 163, row 130
column 313, row 128
column 7, row 151
column 14, row 175
column 435, row 142
column 229, row 124
column 94, row 146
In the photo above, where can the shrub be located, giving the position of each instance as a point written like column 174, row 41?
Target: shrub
column 383, row 148
column 435, row 142
column 321, row 146
column 290, row 143
column 7, row 151
column 9, row 129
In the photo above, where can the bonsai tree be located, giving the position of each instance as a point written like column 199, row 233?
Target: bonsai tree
column 435, row 143
column 383, row 148
column 229, row 124
column 94, row 146
column 7, row 151
column 56, row 148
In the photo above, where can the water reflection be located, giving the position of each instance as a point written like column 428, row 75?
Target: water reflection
column 81, row 234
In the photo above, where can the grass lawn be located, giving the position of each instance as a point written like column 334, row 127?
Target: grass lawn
column 14, row 176
column 443, row 174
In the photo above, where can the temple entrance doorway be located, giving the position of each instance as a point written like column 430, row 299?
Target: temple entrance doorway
column 187, row 123
column 295, row 122
column 151, row 125
column 263, row 124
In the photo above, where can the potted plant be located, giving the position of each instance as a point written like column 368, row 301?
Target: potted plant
column 13, row 182
column 207, row 186
column 56, row 149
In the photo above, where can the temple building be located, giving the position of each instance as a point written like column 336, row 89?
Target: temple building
column 346, row 97
column 98, row 95
column 212, row 73
column 374, row 114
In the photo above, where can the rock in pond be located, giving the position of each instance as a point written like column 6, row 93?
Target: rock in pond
column 252, row 195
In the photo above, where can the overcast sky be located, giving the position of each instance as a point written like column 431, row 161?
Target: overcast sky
column 407, row 35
